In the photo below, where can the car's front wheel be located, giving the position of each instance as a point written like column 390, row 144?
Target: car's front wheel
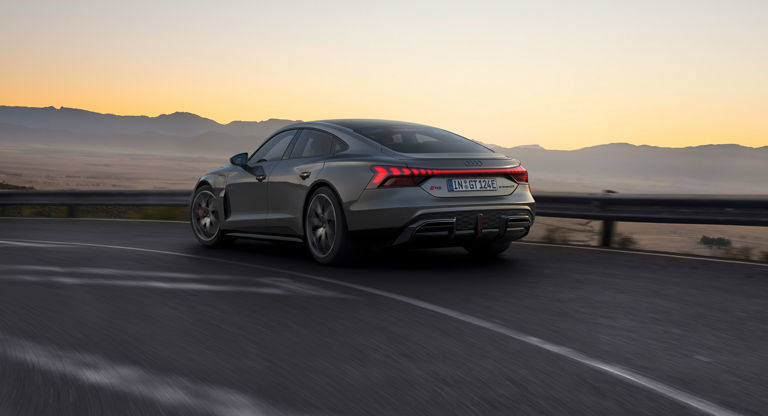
column 206, row 218
column 325, row 229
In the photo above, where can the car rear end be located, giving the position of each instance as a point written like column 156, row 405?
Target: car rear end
column 459, row 194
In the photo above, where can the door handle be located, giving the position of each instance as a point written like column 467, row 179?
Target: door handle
column 304, row 175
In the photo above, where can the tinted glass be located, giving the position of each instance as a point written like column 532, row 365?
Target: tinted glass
column 312, row 143
column 274, row 148
column 339, row 145
column 421, row 139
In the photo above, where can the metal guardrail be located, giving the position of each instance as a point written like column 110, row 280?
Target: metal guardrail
column 609, row 208
column 73, row 200
column 160, row 198
column 678, row 209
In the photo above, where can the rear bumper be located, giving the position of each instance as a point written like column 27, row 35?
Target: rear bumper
column 412, row 215
column 509, row 224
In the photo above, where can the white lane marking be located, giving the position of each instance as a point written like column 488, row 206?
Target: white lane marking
column 20, row 244
column 642, row 253
column 148, row 284
column 532, row 243
column 283, row 288
column 112, row 272
column 302, row 288
column 286, row 286
column 602, row 366
column 166, row 390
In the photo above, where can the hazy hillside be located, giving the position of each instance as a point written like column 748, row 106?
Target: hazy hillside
column 624, row 167
column 91, row 123
column 209, row 142
column 70, row 148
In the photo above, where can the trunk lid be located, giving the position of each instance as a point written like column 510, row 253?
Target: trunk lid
column 457, row 160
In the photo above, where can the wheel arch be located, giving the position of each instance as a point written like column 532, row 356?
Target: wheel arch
column 201, row 183
column 315, row 186
column 210, row 181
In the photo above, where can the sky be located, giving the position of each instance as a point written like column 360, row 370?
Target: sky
column 562, row 74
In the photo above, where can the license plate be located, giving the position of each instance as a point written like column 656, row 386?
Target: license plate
column 472, row 184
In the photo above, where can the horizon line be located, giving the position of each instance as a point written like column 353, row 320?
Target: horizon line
column 61, row 107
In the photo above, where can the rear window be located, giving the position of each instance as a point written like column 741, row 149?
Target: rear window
column 421, row 139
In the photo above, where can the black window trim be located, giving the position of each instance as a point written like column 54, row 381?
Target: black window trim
column 292, row 144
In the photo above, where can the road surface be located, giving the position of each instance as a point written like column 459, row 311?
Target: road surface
column 135, row 318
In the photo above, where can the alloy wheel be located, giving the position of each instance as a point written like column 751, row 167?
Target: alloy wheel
column 205, row 215
column 321, row 225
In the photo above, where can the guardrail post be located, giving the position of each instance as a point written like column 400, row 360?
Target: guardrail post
column 73, row 211
column 606, row 233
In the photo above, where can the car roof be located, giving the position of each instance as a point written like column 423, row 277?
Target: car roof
column 361, row 123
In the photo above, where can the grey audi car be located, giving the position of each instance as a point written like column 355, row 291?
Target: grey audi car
column 344, row 185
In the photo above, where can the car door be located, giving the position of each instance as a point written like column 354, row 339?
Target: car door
column 292, row 178
column 246, row 190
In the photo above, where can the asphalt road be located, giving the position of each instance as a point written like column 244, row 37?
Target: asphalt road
column 134, row 318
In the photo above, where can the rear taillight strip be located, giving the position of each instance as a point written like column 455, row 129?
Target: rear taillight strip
column 382, row 174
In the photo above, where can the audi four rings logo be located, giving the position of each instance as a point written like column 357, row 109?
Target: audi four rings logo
column 473, row 163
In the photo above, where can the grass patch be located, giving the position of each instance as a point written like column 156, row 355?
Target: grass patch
column 98, row 211
column 4, row 185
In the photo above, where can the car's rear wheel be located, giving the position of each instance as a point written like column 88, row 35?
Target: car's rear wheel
column 487, row 249
column 206, row 218
column 325, row 229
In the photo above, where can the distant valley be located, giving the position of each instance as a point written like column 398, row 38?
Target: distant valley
column 622, row 167
column 65, row 148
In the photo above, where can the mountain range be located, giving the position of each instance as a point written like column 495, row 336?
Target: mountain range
column 621, row 167
column 88, row 122
column 177, row 132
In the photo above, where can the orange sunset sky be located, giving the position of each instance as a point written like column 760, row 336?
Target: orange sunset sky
column 563, row 74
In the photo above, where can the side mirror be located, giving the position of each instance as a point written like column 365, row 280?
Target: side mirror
column 240, row 159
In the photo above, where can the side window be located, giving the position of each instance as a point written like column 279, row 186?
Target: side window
column 339, row 145
column 274, row 148
column 312, row 143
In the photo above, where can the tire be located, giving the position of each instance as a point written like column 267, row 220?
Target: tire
column 325, row 229
column 487, row 249
column 206, row 218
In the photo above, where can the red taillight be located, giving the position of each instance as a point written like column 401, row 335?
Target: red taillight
column 381, row 173
column 402, row 181
column 519, row 174
column 389, row 176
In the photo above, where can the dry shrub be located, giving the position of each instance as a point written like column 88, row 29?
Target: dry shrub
column 557, row 235
column 624, row 241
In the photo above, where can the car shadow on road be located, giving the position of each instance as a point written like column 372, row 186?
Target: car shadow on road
column 448, row 261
